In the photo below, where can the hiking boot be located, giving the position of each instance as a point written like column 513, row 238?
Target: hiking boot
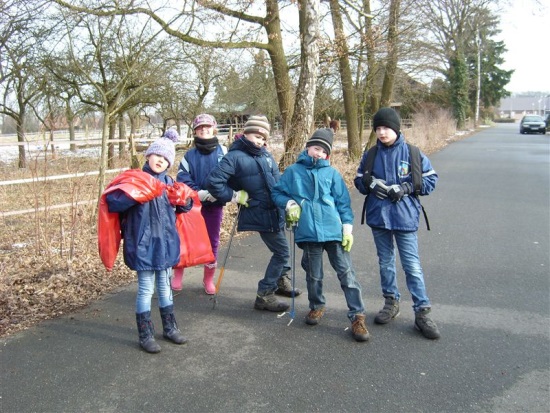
column 314, row 316
column 359, row 328
column 284, row 287
column 268, row 301
column 388, row 312
column 425, row 325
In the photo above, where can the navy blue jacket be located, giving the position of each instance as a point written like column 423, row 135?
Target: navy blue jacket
column 393, row 165
column 195, row 167
column 151, row 241
column 255, row 171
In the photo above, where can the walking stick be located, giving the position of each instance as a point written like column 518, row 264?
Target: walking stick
column 222, row 268
column 292, row 229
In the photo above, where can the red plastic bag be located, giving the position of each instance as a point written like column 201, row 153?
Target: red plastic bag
column 138, row 185
column 195, row 248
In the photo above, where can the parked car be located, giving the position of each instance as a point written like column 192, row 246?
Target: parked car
column 532, row 123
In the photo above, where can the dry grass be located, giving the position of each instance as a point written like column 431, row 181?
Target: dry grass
column 49, row 263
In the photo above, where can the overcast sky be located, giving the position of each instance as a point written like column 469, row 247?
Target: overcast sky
column 526, row 32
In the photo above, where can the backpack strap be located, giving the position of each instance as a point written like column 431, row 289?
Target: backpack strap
column 369, row 164
column 416, row 170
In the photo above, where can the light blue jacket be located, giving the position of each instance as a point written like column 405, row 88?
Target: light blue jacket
column 322, row 194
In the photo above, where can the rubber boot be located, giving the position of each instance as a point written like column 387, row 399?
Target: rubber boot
column 170, row 329
column 146, row 332
column 177, row 279
column 208, row 279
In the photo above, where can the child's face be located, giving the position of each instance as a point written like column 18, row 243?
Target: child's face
column 386, row 135
column 257, row 139
column 317, row 152
column 157, row 163
column 204, row 131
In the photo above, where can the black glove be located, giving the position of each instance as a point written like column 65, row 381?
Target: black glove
column 376, row 186
column 397, row 192
column 180, row 209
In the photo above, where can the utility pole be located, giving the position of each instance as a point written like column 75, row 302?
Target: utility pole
column 478, row 91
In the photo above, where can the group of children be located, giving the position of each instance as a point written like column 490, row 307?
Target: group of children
column 311, row 196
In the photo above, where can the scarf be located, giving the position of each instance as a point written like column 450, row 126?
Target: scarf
column 206, row 146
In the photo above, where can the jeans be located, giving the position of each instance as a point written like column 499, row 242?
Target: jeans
column 340, row 260
column 146, row 288
column 407, row 245
column 278, row 264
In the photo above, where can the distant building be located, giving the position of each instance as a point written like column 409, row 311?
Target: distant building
column 517, row 106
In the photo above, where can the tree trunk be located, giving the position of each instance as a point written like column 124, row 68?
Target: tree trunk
column 303, row 117
column 121, row 136
column 112, row 134
column 279, row 63
column 348, row 88
column 104, row 153
column 393, row 54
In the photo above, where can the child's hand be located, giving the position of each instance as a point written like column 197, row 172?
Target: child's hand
column 293, row 212
column 240, row 197
column 347, row 237
column 347, row 242
column 397, row 192
column 204, row 195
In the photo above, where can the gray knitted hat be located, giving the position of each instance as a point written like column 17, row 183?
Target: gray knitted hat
column 387, row 117
column 163, row 147
column 323, row 138
column 257, row 124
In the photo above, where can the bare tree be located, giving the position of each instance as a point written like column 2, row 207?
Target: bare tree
column 20, row 51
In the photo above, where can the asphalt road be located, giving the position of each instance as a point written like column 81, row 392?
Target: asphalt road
column 486, row 261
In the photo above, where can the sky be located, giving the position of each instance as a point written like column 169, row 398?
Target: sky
column 525, row 29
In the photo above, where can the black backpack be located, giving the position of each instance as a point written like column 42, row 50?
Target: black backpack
column 416, row 169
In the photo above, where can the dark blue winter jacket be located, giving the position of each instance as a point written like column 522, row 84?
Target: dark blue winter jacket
column 393, row 165
column 255, row 171
column 151, row 241
column 322, row 195
column 195, row 167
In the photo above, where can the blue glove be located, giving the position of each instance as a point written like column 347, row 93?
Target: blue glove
column 240, row 197
column 397, row 192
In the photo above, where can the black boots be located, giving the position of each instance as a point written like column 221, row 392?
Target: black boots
column 146, row 329
column 170, row 329
column 146, row 333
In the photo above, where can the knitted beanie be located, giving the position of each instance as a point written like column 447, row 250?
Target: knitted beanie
column 323, row 138
column 257, row 124
column 204, row 119
column 171, row 134
column 163, row 147
column 387, row 117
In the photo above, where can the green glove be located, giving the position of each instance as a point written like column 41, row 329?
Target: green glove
column 240, row 197
column 293, row 212
column 347, row 242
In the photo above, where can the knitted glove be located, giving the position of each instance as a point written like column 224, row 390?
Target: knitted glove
column 397, row 192
column 204, row 195
column 293, row 212
column 347, row 237
column 240, row 197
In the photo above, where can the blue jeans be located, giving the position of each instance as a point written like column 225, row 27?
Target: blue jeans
column 340, row 260
column 146, row 288
column 278, row 264
column 407, row 245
